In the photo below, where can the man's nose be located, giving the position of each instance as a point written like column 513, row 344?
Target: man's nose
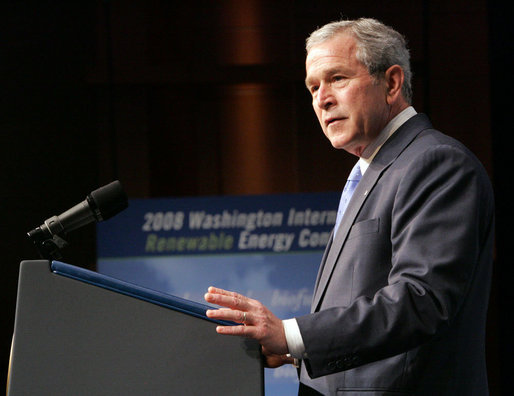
column 325, row 97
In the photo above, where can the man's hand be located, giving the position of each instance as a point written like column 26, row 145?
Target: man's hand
column 258, row 322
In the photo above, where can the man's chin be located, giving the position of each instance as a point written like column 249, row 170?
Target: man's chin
column 338, row 143
column 338, row 146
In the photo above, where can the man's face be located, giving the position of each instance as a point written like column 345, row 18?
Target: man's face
column 351, row 106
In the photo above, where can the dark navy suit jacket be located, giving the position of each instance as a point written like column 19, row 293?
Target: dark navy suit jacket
column 400, row 302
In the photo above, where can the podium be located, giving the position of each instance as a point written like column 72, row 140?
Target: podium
column 78, row 332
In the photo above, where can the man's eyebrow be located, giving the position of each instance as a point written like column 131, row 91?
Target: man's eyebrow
column 326, row 73
column 307, row 81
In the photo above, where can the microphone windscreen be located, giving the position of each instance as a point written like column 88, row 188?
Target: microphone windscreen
column 110, row 199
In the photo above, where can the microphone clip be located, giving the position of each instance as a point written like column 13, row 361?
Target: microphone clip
column 49, row 246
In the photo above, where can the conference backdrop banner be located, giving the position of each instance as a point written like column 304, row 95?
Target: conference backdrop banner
column 267, row 247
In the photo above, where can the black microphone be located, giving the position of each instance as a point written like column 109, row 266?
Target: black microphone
column 101, row 204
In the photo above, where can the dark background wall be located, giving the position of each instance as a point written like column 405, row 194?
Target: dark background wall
column 207, row 98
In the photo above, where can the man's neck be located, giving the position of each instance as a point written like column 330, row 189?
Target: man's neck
column 372, row 149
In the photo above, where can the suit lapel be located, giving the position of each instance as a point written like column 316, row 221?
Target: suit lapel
column 331, row 256
column 385, row 157
column 321, row 267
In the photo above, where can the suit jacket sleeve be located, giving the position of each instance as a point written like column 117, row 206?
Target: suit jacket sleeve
column 434, row 212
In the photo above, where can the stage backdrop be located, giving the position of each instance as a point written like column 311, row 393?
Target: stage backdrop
column 267, row 247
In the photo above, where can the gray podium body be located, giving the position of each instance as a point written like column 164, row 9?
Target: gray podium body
column 82, row 333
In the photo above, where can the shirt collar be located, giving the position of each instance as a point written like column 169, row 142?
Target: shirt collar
column 369, row 152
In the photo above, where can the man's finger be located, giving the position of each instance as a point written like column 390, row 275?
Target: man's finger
column 242, row 331
column 228, row 299
column 228, row 314
column 216, row 290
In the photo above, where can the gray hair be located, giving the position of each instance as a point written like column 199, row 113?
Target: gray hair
column 378, row 47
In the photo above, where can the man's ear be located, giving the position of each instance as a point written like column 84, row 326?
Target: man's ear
column 394, row 81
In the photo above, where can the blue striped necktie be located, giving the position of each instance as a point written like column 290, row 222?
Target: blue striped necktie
column 349, row 188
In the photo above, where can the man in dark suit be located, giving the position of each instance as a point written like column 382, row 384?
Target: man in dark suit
column 400, row 301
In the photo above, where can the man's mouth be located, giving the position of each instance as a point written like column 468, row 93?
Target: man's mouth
column 332, row 120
